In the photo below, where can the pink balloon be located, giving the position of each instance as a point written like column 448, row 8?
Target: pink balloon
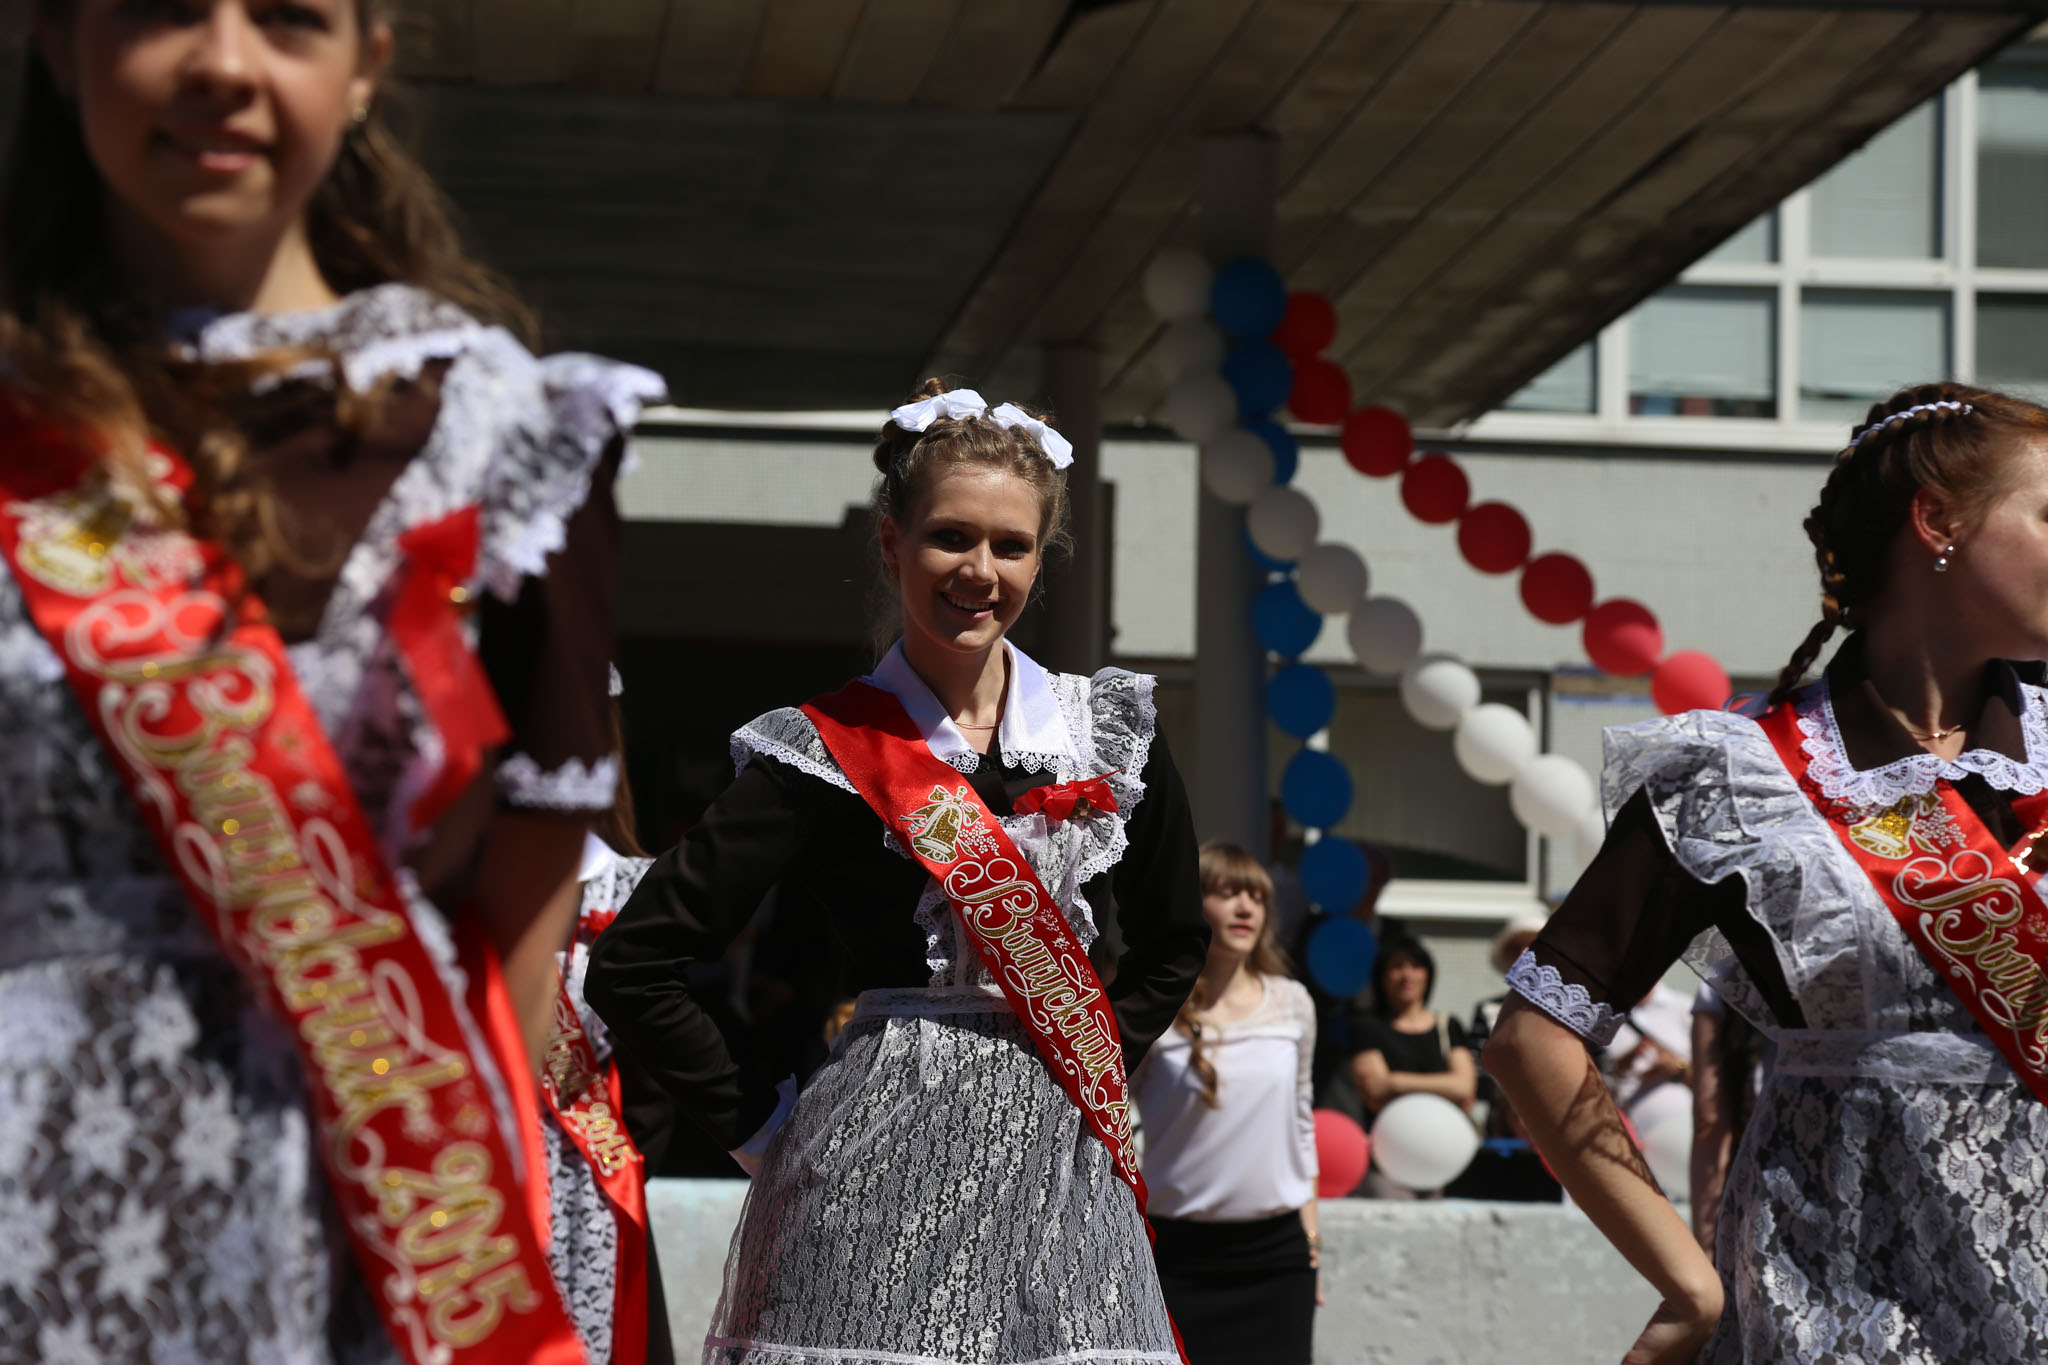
column 1342, row 1151
column 1689, row 680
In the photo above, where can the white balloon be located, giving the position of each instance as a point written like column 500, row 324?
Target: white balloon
column 1331, row 577
column 1664, row 1119
column 1385, row 634
column 1493, row 741
column 1200, row 406
column 1237, row 466
column 1188, row 345
column 1591, row 833
column 1423, row 1142
column 1437, row 690
column 1551, row 795
column 1177, row 285
column 1283, row 522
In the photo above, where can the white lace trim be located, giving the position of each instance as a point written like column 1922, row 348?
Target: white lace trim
column 1890, row 783
column 762, row 1352
column 573, row 786
column 787, row 736
column 1568, row 1003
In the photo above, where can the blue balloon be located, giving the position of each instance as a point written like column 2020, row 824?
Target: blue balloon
column 1301, row 699
column 1334, row 873
column 1261, row 376
column 1340, row 955
column 1248, row 298
column 1264, row 560
column 1286, row 450
column 1315, row 789
column 1285, row 624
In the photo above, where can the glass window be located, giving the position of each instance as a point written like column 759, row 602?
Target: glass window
column 1885, row 200
column 1566, row 386
column 1857, row 346
column 2012, row 164
column 2012, row 342
column 1699, row 351
column 1756, row 244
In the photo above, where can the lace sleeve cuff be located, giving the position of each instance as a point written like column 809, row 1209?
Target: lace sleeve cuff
column 1567, row 1002
column 574, row 786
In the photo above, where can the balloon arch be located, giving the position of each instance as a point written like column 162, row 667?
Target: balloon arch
column 1237, row 348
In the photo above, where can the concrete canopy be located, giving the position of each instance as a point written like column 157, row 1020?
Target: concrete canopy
column 814, row 203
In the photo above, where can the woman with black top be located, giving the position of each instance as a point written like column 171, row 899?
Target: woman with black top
column 932, row 1194
column 1403, row 1047
column 1858, row 861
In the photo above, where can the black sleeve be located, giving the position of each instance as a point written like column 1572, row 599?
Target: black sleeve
column 690, row 905
column 1158, row 886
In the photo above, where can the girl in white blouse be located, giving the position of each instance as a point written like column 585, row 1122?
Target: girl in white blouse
column 1226, row 1105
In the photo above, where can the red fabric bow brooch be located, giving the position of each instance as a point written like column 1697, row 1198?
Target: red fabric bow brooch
column 1069, row 800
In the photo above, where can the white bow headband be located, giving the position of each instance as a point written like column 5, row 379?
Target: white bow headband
column 962, row 403
column 1939, row 405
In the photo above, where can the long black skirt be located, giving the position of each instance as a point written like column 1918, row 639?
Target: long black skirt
column 1241, row 1293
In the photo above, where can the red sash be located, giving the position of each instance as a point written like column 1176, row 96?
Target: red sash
column 192, row 693
column 586, row 1099
column 1955, row 891
column 1015, row 924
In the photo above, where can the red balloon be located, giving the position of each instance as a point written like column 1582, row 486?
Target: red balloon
column 1557, row 589
column 1623, row 638
column 1689, row 681
column 1494, row 538
column 1377, row 441
column 1322, row 391
column 1435, row 489
column 1307, row 328
column 1342, row 1150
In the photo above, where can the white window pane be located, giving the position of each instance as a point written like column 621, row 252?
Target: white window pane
column 1885, row 200
column 1756, row 244
column 2012, row 343
column 1566, row 386
column 2012, row 163
column 1857, row 346
column 1704, row 352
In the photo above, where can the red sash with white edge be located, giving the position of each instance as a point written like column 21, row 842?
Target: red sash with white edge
column 1015, row 924
column 587, row 1100
column 1972, row 912
column 191, row 691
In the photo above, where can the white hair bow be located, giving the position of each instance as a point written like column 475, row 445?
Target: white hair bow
column 963, row 403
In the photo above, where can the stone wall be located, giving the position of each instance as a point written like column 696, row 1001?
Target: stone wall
column 1442, row 1283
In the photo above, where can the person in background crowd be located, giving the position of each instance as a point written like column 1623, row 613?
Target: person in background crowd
column 1649, row 1061
column 956, row 1182
column 357, row 547
column 1858, row 856
column 1403, row 1047
column 1230, row 1143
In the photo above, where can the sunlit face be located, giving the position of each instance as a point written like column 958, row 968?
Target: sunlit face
column 1236, row 915
column 213, row 121
column 1406, row 982
column 1999, row 574
column 966, row 559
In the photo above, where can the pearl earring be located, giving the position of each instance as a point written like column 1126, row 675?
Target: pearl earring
column 1941, row 560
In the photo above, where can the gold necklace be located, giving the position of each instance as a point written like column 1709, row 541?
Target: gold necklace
column 1933, row 737
column 965, row 726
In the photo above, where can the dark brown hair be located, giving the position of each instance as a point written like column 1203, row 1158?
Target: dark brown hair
column 1950, row 438
column 93, row 360
column 1227, row 868
column 619, row 826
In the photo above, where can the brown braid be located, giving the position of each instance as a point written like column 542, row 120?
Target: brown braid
column 1868, row 495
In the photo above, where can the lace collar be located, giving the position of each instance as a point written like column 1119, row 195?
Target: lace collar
column 385, row 330
column 598, row 859
column 1890, row 782
column 1033, row 725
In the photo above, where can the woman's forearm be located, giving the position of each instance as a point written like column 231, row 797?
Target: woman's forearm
column 1457, row 1089
column 1545, row 1073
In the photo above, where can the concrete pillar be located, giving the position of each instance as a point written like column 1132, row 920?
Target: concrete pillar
column 1075, row 631
column 1230, row 665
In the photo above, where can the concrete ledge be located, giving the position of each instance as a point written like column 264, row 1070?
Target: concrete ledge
column 1447, row 1282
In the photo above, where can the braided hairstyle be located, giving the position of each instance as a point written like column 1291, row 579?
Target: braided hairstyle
column 909, row 462
column 1920, row 437
column 1227, row 868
